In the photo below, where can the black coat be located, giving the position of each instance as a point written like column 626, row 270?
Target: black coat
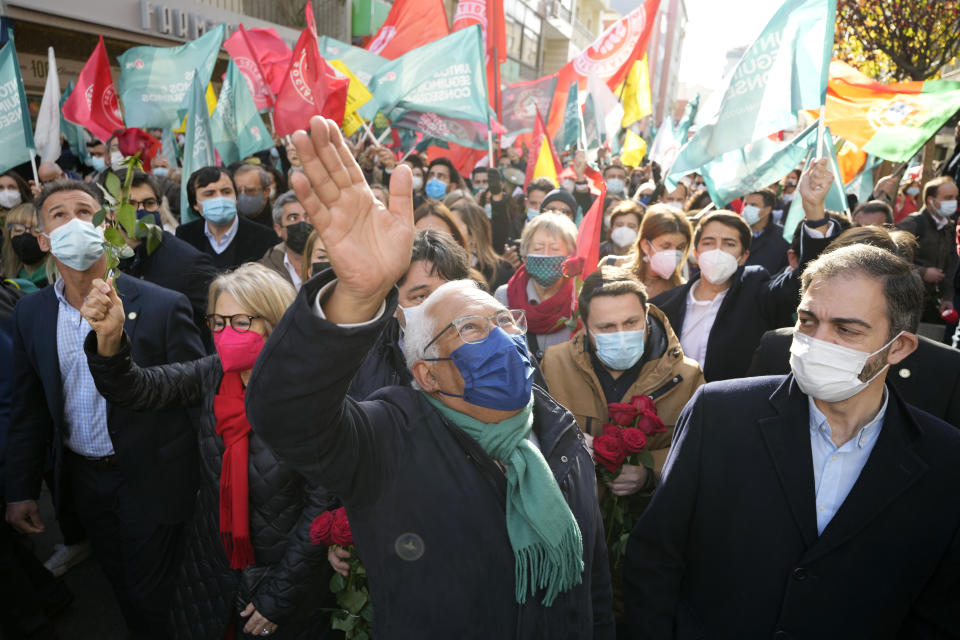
column 288, row 583
column 384, row 365
column 928, row 378
column 769, row 249
column 156, row 450
column 728, row 548
column 251, row 242
column 426, row 503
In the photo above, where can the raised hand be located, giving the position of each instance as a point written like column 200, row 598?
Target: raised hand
column 368, row 244
column 814, row 185
column 103, row 309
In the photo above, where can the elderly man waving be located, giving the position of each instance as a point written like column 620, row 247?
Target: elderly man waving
column 471, row 497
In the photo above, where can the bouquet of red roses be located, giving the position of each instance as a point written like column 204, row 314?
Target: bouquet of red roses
column 624, row 441
column 332, row 529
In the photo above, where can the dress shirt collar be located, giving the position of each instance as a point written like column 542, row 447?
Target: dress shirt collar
column 867, row 434
column 227, row 238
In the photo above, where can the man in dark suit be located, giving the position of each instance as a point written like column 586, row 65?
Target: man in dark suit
column 814, row 505
column 130, row 475
column 229, row 239
column 768, row 248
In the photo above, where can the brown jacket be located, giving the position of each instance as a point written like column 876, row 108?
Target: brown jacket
column 273, row 259
column 668, row 376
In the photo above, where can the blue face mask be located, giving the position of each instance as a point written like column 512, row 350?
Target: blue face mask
column 435, row 189
column 150, row 217
column 751, row 214
column 645, row 200
column 497, row 373
column 531, row 214
column 161, row 172
column 219, row 210
column 77, row 244
column 621, row 350
column 545, row 270
column 98, row 164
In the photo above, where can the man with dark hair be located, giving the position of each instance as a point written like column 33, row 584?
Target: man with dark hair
column 253, row 184
column 130, row 475
column 830, row 466
column 873, row 213
column 722, row 312
column 229, row 239
column 768, row 249
column 936, row 259
column 442, row 177
column 290, row 223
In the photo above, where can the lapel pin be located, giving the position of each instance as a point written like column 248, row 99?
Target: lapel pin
column 133, row 316
column 904, row 373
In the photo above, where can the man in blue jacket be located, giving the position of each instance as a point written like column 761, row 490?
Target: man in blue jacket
column 471, row 498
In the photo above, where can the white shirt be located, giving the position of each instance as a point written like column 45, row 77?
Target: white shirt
column 697, row 323
column 219, row 246
column 292, row 271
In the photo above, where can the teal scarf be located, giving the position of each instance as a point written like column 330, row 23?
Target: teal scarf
column 547, row 547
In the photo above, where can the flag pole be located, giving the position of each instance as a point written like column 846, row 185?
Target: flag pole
column 33, row 165
column 370, row 133
column 821, row 130
column 407, row 154
column 383, row 136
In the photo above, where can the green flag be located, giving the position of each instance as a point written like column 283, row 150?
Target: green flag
column 155, row 81
column 16, row 133
column 168, row 148
column 198, row 146
column 836, row 199
column 74, row 134
column 361, row 62
column 570, row 129
column 592, row 128
column 238, row 129
column 447, row 77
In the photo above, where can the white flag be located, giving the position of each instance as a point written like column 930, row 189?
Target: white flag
column 47, row 135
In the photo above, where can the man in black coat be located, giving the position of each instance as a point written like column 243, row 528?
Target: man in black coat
column 768, row 248
column 229, row 239
column 131, row 476
column 425, row 488
column 816, row 505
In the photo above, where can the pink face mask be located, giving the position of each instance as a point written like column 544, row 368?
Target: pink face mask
column 238, row 351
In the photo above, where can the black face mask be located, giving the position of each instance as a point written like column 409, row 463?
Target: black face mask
column 317, row 267
column 297, row 235
column 26, row 247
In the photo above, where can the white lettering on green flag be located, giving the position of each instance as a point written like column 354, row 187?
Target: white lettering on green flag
column 16, row 135
column 198, row 145
column 238, row 130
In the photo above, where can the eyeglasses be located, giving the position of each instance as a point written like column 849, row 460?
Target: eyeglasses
column 240, row 322
column 16, row 229
column 473, row 329
column 147, row 204
column 250, row 191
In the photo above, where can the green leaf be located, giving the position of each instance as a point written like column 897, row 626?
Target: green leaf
column 338, row 583
column 344, row 623
column 126, row 251
column 646, row 459
column 127, row 216
column 367, row 612
column 99, row 217
column 114, row 237
column 113, row 185
column 106, row 195
column 352, row 600
column 154, row 238
column 361, row 635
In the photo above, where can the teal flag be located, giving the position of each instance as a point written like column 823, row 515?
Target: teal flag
column 784, row 71
column 361, row 62
column 569, row 133
column 76, row 138
column 198, row 146
column 463, row 132
column 168, row 148
column 446, row 77
column 155, row 81
column 238, row 129
column 862, row 183
column 836, row 199
column 689, row 115
column 16, row 130
column 592, row 127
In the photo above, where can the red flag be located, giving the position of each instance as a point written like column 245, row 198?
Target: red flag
column 245, row 56
column 311, row 87
column 539, row 165
column 93, row 103
column 489, row 15
column 588, row 238
column 308, row 16
column 410, row 24
column 272, row 54
column 464, row 159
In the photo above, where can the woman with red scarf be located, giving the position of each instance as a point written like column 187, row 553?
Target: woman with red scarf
column 543, row 285
column 249, row 567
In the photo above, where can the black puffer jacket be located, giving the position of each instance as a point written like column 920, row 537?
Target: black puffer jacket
column 289, row 582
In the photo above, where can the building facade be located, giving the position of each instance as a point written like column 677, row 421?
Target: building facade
column 663, row 56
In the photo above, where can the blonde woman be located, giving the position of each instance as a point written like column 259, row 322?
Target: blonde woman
column 249, row 566
column 662, row 249
column 23, row 259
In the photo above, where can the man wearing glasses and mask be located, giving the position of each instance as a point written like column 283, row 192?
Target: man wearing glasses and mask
column 474, row 485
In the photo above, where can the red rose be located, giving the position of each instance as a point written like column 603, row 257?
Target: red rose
column 622, row 414
column 644, row 404
column 650, row 423
column 611, row 430
column 573, row 266
column 609, row 452
column 340, row 533
column 132, row 141
column 320, row 529
column 634, row 440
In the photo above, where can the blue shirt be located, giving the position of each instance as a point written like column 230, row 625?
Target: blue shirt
column 836, row 469
column 84, row 409
column 219, row 246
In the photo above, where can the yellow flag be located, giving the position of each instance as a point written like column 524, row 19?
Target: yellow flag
column 211, row 98
column 545, row 167
column 636, row 94
column 634, row 148
column 357, row 96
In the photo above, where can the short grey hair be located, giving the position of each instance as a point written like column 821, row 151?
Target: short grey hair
column 557, row 225
column 902, row 286
column 285, row 198
column 265, row 178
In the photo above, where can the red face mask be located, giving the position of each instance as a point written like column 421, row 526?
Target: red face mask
column 238, row 351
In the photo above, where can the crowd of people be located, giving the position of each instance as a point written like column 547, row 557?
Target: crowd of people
column 340, row 327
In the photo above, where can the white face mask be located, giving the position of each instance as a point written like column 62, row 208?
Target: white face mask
column 9, row 198
column 787, row 198
column 623, row 237
column 947, row 208
column 717, row 265
column 751, row 214
column 664, row 263
column 116, row 160
column 913, row 191
column 417, row 183
column 674, row 206
column 827, row 371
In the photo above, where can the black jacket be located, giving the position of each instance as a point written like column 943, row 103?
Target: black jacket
column 928, row 378
column 384, row 365
column 426, row 503
column 251, row 242
column 729, row 549
column 769, row 249
column 156, row 450
column 289, row 580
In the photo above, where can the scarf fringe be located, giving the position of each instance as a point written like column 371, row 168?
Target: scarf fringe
column 239, row 550
column 534, row 569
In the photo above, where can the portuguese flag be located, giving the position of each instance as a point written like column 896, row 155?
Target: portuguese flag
column 890, row 121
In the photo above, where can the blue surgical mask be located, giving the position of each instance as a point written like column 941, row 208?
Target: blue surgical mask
column 77, row 244
column 219, row 210
column 98, row 164
column 435, row 189
column 531, row 214
column 751, row 214
column 545, row 270
column 621, row 350
column 497, row 372
column 161, row 172
column 149, row 217
column 615, row 186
